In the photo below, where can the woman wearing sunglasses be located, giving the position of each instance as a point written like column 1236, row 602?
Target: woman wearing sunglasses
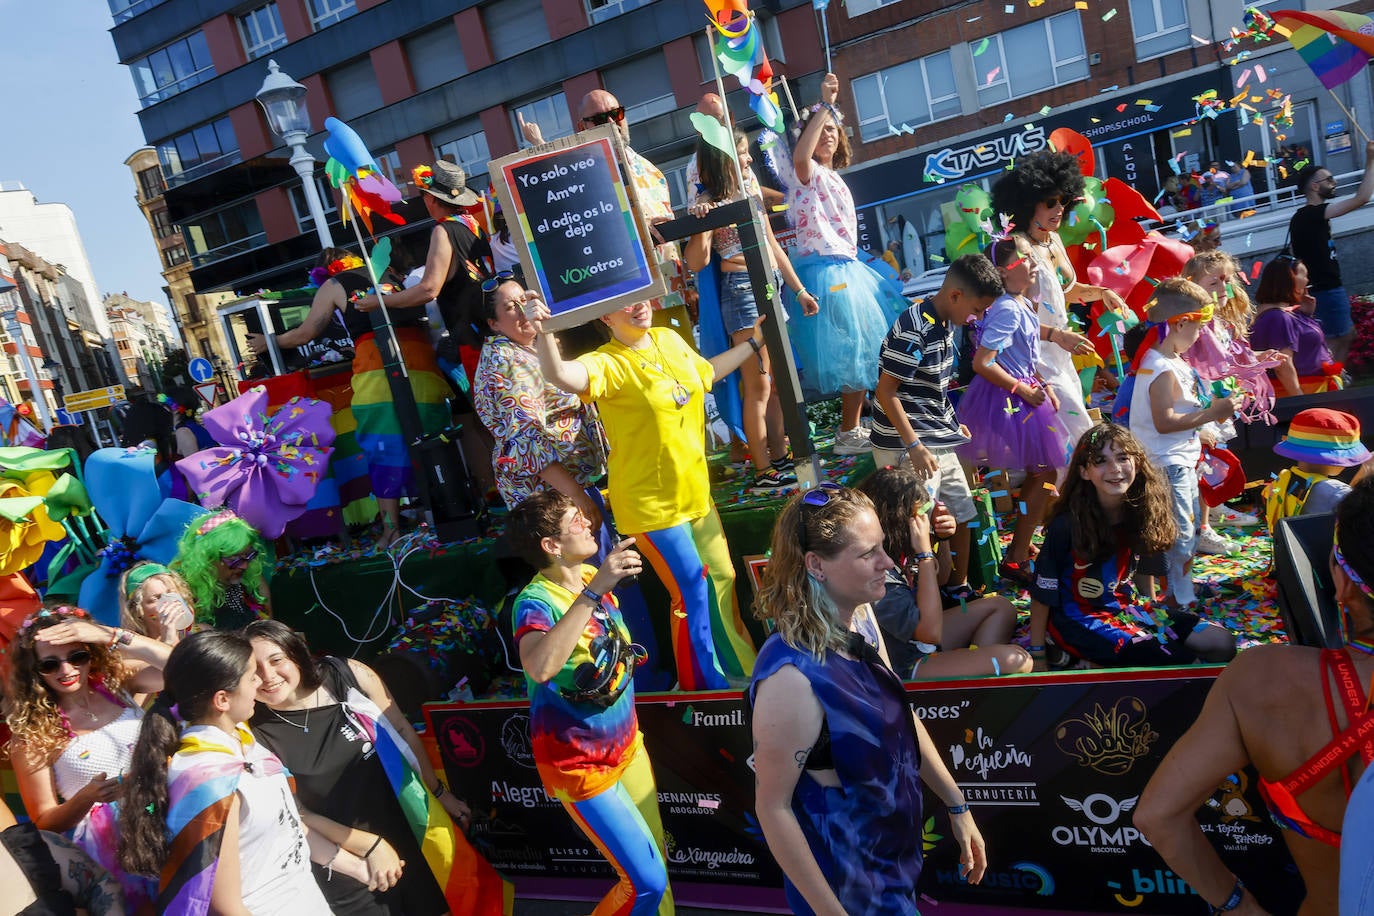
column 838, row 754
column 344, row 282
column 579, row 670
column 1037, row 194
column 545, row 437
column 74, row 707
column 224, row 562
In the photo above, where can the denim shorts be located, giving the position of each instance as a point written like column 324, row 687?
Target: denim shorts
column 738, row 310
column 1333, row 311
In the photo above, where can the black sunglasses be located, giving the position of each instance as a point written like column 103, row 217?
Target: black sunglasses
column 818, row 496
column 616, row 114
column 52, row 664
column 239, row 561
column 1053, row 202
column 501, row 276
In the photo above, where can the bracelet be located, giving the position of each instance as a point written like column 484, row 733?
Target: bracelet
column 591, row 596
column 1233, row 901
column 958, row 809
column 755, row 345
column 1014, row 389
column 439, row 788
column 804, row 292
column 916, row 444
column 1035, row 648
column 373, row 848
column 924, row 555
column 115, row 637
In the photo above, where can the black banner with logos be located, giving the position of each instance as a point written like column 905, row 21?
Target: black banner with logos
column 1053, row 767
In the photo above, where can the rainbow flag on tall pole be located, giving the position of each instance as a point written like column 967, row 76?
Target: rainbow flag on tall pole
column 738, row 48
column 1336, row 45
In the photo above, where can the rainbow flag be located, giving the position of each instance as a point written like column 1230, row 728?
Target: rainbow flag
column 470, row 884
column 1335, row 44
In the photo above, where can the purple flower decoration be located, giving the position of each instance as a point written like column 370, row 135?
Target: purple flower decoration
column 267, row 465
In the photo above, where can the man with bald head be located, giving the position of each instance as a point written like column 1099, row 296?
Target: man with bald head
column 601, row 107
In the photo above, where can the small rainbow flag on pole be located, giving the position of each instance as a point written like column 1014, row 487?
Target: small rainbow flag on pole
column 1335, row 44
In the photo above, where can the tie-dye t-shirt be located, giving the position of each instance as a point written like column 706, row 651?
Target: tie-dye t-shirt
column 580, row 748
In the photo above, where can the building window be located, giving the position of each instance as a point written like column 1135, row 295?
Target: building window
column 174, row 256
column 390, row 165
column 601, row 10
column 162, row 224
column 150, row 183
column 1030, row 58
column 124, row 10
column 198, row 152
column 642, row 86
column 353, row 89
column 304, row 221
column 226, row 232
column 908, row 95
column 261, row 30
column 550, row 113
column 435, row 56
column 468, row 150
column 1160, row 26
column 675, row 173
column 514, row 26
column 324, row 13
column 859, row 7
column 177, row 67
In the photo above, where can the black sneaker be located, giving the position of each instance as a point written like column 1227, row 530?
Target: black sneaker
column 771, row 482
column 785, row 465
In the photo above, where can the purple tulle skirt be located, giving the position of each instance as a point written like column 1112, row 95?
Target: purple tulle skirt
column 1006, row 432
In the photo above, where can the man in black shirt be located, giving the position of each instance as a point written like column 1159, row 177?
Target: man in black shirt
column 1310, row 231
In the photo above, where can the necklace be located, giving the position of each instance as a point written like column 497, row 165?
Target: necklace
column 680, row 393
column 304, row 728
column 86, row 708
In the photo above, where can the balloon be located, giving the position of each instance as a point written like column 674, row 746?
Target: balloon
column 1075, row 144
column 974, row 205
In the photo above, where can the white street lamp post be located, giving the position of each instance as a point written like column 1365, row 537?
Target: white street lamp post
column 283, row 101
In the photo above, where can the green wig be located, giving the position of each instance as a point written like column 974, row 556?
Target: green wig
column 202, row 547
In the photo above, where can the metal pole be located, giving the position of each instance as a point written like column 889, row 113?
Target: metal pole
column 304, row 164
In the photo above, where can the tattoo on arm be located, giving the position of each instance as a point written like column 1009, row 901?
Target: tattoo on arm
column 800, row 756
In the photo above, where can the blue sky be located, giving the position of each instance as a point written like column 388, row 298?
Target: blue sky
column 70, row 125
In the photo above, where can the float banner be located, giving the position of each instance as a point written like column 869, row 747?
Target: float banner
column 1053, row 766
column 579, row 231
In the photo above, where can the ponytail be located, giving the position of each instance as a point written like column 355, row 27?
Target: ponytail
column 143, row 813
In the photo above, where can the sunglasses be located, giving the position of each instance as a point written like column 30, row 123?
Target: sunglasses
column 616, row 114
column 240, row 561
column 817, row 497
column 501, row 276
column 1053, row 202
column 52, row 664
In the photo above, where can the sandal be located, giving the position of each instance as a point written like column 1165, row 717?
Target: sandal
column 1018, row 573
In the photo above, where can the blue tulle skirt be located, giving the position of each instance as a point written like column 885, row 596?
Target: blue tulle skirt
column 837, row 349
column 1006, row 432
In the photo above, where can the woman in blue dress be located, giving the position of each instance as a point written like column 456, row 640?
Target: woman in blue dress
column 838, row 754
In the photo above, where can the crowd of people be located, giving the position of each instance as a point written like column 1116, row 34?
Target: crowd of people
column 205, row 759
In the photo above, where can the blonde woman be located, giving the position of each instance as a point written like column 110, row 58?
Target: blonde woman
column 157, row 603
column 830, row 715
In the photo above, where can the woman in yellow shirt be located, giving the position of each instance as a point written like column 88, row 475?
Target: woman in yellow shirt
column 649, row 388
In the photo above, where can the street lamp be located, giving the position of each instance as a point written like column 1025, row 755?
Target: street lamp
column 283, row 101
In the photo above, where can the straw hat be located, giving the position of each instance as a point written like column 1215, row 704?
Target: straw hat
column 449, row 183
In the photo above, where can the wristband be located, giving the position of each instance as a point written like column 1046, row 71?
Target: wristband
column 924, row 555
column 115, row 636
column 439, row 788
column 591, row 596
column 373, row 848
column 754, row 344
column 958, row 809
column 916, row 444
column 804, row 292
column 1014, row 389
column 1233, row 901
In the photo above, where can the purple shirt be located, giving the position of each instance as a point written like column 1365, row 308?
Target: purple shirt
column 1285, row 329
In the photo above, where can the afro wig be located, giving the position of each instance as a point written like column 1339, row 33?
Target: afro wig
column 1035, row 178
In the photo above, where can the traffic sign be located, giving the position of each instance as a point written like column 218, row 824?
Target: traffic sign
column 207, row 393
column 79, row 401
column 200, row 369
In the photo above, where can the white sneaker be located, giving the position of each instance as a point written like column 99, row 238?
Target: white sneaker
column 1211, row 542
column 852, row 441
column 1224, row 516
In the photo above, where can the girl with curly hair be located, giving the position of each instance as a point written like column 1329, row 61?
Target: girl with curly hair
column 1107, row 534
column 223, row 560
column 210, row 811
column 1036, row 194
column 74, row 703
column 838, row 755
column 157, row 603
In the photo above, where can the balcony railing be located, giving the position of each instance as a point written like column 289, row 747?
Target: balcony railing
column 238, row 246
column 124, row 10
column 204, row 168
